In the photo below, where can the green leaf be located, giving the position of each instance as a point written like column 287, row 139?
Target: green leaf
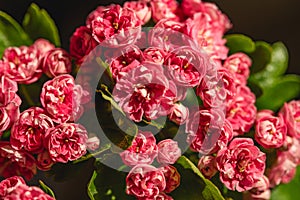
column 277, row 65
column 46, row 189
column 107, row 184
column 11, row 33
column 38, row 24
column 193, row 185
column 281, row 89
column 288, row 191
column 239, row 43
column 261, row 56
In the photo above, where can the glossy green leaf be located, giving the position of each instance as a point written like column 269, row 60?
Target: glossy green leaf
column 11, row 33
column 277, row 65
column 261, row 57
column 107, row 184
column 38, row 24
column 288, row 191
column 281, row 90
column 239, row 43
column 193, row 185
column 46, row 189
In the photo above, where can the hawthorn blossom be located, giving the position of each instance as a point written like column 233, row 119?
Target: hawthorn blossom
column 29, row 130
column 141, row 9
column 291, row 115
column 43, row 46
column 143, row 150
column 155, row 55
column 241, row 164
column 261, row 190
column 179, row 113
column 44, row 161
column 145, row 181
column 24, row 64
column 10, row 184
column 168, row 151
column 207, row 166
column 66, row 142
column 270, row 131
column 172, row 178
column 164, row 9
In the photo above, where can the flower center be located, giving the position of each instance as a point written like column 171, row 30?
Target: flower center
column 242, row 165
column 115, row 25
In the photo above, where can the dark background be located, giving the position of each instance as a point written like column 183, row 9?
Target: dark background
column 268, row 20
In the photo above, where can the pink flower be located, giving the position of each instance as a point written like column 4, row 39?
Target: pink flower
column 164, row 9
column 291, row 115
column 207, row 166
column 260, row 190
column 168, row 151
column 186, row 66
column 270, row 131
column 172, row 177
column 66, row 142
column 292, row 146
column 142, row 11
column 29, row 130
column 241, row 164
column 190, row 7
column 43, row 46
column 241, row 112
column 44, row 162
column 55, row 62
column 10, row 184
column 208, row 131
column 143, row 150
column 145, row 92
column 24, row 64
column 93, row 143
column 62, row 98
column 124, row 60
column 16, row 162
column 264, row 113
column 116, row 26
column 179, row 114
column 25, row 192
column 217, row 90
column 145, row 181
column 96, row 13
column 239, row 64
column 155, row 55
column 81, row 44
column 283, row 170
column 9, row 103
column 208, row 36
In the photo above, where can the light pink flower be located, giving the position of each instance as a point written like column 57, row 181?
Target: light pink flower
column 43, row 46
column 179, row 113
column 25, row 192
column 116, row 26
column 218, row 90
column 186, row 66
column 208, row 131
column 29, row 130
column 208, row 36
column 141, row 9
column 56, row 62
column 283, row 170
column 164, row 9
column 292, row 146
column 145, row 181
column 241, row 112
column 239, row 64
column 124, row 60
column 168, row 151
column 241, row 164
column 81, row 44
column 10, row 184
column 24, row 64
column 155, row 55
column 260, row 190
column 62, row 98
column 264, row 113
column 172, row 177
column 143, row 150
column 145, row 92
column 66, row 142
column 16, row 162
column 93, row 143
column 44, row 162
column 291, row 115
column 270, row 131
column 207, row 166
column 9, row 103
